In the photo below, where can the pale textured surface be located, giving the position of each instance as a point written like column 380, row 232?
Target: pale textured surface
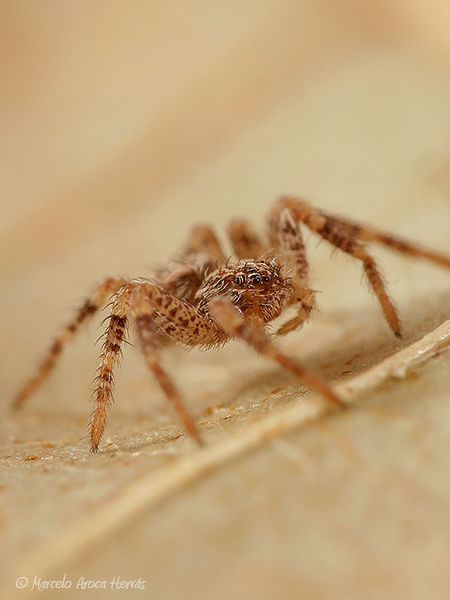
column 120, row 127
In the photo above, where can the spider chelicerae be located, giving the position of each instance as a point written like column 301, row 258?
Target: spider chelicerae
column 202, row 299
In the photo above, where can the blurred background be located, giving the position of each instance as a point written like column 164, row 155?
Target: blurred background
column 121, row 124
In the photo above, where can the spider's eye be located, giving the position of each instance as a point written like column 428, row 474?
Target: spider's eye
column 266, row 279
column 256, row 279
column 239, row 280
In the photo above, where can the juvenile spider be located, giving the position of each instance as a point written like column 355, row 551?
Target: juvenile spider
column 201, row 299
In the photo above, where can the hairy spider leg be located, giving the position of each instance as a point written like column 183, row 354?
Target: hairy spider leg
column 292, row 255
column 93, row 302
column 372, row 234
column 245, row 242
column 342, row 239
column 147, row 332
column 201, row 255
column 231, row 320
column 153, row 310
column 202, row 239
column 109, row 357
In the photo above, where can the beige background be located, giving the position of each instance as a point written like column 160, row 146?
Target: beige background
column 121, row 123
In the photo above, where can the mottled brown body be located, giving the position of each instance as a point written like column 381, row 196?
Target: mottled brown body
column 201, row 299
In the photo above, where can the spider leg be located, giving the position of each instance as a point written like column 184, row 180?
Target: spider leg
column 201, row 255
column 372, row 234
column 109, row 357
column 147, row 332
column 293, row 258
column 231, row 320
column 93, row 302
column 153, row 310
column 245, row 242
column 203, row 240
column 183, row 280
column 345, row 239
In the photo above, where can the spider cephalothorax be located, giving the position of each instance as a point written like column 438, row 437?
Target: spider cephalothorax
column 201, row 299
column 256, row 288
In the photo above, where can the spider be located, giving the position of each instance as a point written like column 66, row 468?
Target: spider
column 202, row 299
